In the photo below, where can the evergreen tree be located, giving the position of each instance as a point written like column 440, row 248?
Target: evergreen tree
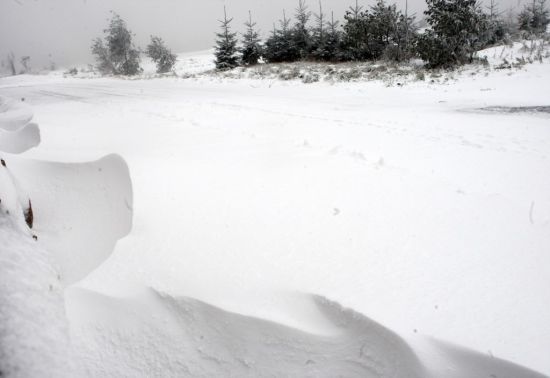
column 251, row 51
column 534, row 18
column 355, row 39
column 405, row 32
column 331, row 49
column 118, row 54
column 382, row 31
column 226, row 45
column 272, row 44
column 161, row 55
column 496, row 28
column 301, row 36
column 382, row 28
column 457, row 30
column 280, row 46
column 319, row 38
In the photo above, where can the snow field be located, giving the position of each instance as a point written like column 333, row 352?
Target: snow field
column 410, row 205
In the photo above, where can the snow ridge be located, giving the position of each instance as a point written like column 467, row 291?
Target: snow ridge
column 163, row 335
column 156, row 334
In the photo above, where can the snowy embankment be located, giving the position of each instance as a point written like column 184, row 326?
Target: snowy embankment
column 78, row 213
column 413, row 206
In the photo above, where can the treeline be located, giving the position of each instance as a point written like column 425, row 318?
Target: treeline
column 455, row 30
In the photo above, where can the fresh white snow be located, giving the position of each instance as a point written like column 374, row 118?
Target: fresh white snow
column 254, row 200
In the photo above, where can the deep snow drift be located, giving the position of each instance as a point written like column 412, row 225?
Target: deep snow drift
column 409, row 205
column 80, row 212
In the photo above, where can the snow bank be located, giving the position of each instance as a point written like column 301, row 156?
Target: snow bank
column 516, row 54
column 34, row 332
column 20, row 140
column 159, row 335
column 34, row 335
column 154, row 334
column 13, row 114
column 81, row 209
column 17, row 134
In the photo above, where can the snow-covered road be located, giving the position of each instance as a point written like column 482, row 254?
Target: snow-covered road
column 408, row 204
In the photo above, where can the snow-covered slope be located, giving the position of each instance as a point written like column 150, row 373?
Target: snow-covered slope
column 424, row 208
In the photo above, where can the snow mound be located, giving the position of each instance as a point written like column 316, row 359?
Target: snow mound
column 17, row 135
column 13, row 114
column 33, row 327
column 155, row 334
column 515, row 52
column 81, row 209
column 78, row 213
column 159, row 335
column 443, row 359
column 20, row 140
column 34, row 331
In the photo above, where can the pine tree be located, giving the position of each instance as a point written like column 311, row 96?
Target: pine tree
column 457, row 30
column 382, row 28
column 226, row 45
column 496, row 28
column 301, row 35
column 331, row 48
column 161, row 55
column 251, row 51
column 334, row 40
column 355, row 37
column 406, row 30
column 280, row 46
column 319, row 37
column 534, row 18
column 271, row 51
column 118, row 54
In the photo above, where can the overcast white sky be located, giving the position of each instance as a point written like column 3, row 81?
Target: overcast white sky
column 62, row 30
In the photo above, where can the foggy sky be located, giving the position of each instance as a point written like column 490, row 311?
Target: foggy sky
column 62, row 30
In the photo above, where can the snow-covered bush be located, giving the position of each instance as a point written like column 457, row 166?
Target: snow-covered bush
column 117, row 54
column 11, row 63
column 161, row 55
column 26, row 64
